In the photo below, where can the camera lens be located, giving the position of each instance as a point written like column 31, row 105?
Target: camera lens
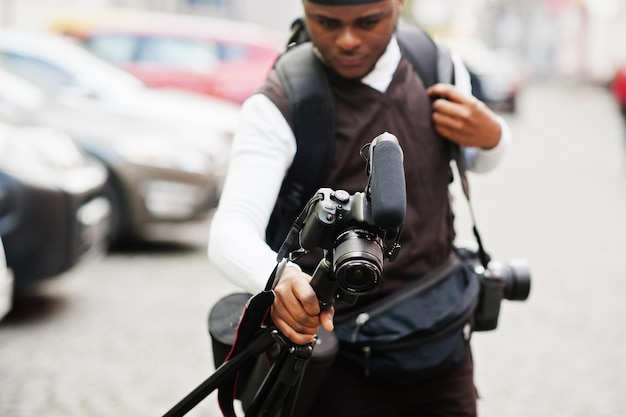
column 358, row 261
column 516, row 278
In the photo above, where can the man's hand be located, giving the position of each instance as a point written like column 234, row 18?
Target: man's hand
column 464, row 119
column 296, row 310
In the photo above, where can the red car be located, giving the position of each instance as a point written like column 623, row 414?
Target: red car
column 222, row 58
column 618, row 87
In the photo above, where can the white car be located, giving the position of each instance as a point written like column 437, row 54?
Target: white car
column 6, row 284
column 166, row 150
column 62, row 67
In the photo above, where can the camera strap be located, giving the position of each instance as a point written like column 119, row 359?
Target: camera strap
column 294, row 232
column 457, row 154
column 445, row 70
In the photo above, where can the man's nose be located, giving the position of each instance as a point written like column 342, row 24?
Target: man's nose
column 348, row 39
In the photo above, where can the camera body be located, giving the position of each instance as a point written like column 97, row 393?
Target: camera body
column 342, row 224
column 500, row 280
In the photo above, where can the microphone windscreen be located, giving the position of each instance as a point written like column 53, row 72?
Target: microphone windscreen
column 387, row 185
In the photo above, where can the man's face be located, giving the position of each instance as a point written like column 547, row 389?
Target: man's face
column 352, row 38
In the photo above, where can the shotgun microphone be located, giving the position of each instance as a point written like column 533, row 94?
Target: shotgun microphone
column 387, row 186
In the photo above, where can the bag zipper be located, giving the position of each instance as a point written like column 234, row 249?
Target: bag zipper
column 360, row 320
column 367, row 352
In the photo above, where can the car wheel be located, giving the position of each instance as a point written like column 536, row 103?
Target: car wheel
column 118, row 220
column 511, row 104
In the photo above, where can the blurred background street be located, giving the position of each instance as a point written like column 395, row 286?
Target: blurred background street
column 123, row 332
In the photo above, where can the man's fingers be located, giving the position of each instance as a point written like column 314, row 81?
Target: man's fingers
column 307, row 297
column 444, row 120
column 326, row 317
column 293, row 314
column 290, row 333
column 447, row 91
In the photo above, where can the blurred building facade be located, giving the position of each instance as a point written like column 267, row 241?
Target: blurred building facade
column 579, row 39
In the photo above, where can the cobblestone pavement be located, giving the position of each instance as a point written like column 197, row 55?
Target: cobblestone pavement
column 127, row 336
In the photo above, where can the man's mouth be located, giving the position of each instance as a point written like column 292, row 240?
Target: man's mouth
column 350, row 61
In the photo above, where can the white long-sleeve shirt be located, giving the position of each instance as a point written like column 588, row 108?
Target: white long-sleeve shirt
column 263, row 149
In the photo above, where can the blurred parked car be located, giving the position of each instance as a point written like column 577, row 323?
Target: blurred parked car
column 6, row 284
column 223, row 58
column 618, row 88
column 52, row 213
column 166, row 151
column 497, row 75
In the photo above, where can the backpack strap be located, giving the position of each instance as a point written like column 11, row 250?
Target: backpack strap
column 312, row 110
column 311, row 102
column 423, row 54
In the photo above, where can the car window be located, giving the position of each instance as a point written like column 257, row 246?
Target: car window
column 182, row 53
column 232, row 52
column 40, row 73
column 117, row 49
column 121, row 49
column 62, row 66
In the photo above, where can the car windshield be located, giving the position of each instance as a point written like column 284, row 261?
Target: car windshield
column 186, row 53
column 117, row 49
column 191, row 54
column 61, row 64
column 46, row 76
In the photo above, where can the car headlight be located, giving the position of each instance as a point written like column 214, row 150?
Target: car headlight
column 161, row 153
column 48, row 158
column 217, row 145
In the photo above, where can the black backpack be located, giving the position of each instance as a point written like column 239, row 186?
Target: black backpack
column 312, row 110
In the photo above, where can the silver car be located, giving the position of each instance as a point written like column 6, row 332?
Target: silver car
column 166, row 151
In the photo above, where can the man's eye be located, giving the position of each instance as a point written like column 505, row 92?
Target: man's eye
column 328, row 23
column 368, row 24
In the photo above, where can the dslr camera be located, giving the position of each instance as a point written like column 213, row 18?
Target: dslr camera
column 358, row 231
column 355, row 246
column 498, row 281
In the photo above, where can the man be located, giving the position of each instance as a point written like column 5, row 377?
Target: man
column 375, row 90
